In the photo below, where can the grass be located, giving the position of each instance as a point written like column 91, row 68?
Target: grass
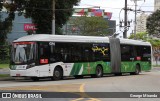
column 4, row 66
column 156, row 65
column 4, row 75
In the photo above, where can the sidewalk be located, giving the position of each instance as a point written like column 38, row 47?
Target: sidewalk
column 4, row 71
column 155, row 69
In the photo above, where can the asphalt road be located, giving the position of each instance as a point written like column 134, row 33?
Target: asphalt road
column 145, row 82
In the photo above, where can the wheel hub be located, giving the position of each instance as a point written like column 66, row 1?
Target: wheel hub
column 57, row 74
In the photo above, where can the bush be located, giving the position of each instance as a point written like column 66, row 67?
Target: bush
column 6, row 61
column 4, row 54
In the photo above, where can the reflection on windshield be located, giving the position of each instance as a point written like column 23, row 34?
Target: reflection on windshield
column 23, row 53
column 20, row 55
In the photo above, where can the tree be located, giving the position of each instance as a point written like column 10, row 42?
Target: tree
column 5, row 28
column 6, row 24
column 41, row 12
column 139, row 36
column 153, row 23
column 92, row 26
column 63, row 12
column 144, row 36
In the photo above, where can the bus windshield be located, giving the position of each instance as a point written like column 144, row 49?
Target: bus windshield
column 23, row 52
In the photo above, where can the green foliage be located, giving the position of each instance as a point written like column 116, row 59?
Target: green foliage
column 4, row 53
column 156, row 66
column 153, row 23
column 4, row 66
column 6, row 24
column 41, row 12
column 4, row 75
column 92, row 26
column 154, row 42
column 143, row 36
column 5, row 28
column 140, row 36
column 64, row 10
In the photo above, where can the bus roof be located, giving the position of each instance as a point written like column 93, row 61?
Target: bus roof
column 134, row 42
column 84, row 39
column 63, row 38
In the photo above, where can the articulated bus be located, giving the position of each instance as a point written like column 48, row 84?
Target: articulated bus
column 56, row 56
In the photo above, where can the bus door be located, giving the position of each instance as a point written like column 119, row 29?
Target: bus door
column 115, row 55
column 44, row 54
column 127, row 58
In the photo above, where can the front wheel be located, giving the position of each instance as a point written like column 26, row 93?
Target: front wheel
column 57, row 74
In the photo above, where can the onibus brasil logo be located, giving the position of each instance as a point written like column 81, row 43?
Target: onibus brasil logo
column 20, row 95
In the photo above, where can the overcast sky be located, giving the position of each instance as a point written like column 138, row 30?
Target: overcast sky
column 115, row 7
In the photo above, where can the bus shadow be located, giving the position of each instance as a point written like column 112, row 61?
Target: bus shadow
column 73, row 78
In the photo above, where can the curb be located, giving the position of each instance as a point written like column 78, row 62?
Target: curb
column 6, row 78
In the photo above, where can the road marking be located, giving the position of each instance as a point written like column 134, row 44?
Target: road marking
column 60, row 88
column 84, row 95
column 70, row 88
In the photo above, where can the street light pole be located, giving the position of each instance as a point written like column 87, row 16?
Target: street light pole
column 53, row 20
column 135, row 24
column 125, row 21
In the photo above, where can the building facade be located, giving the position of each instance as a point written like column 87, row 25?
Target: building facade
column 156, row 4
column 141, row 23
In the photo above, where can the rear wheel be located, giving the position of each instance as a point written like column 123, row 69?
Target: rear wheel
column 57, row 74
column 137, row 70
column 99, row 72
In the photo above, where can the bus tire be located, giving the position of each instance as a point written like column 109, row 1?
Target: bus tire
column 137, row 70
column 34, row 78
column 57, row 74
column 99, row 72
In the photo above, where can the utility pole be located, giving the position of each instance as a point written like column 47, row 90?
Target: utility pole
column 125, row 20
column 135, row 23
column 53, row 20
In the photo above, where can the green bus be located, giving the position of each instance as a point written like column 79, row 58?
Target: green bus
column 56, row 56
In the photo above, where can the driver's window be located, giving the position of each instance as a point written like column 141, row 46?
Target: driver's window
column 44, row 52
